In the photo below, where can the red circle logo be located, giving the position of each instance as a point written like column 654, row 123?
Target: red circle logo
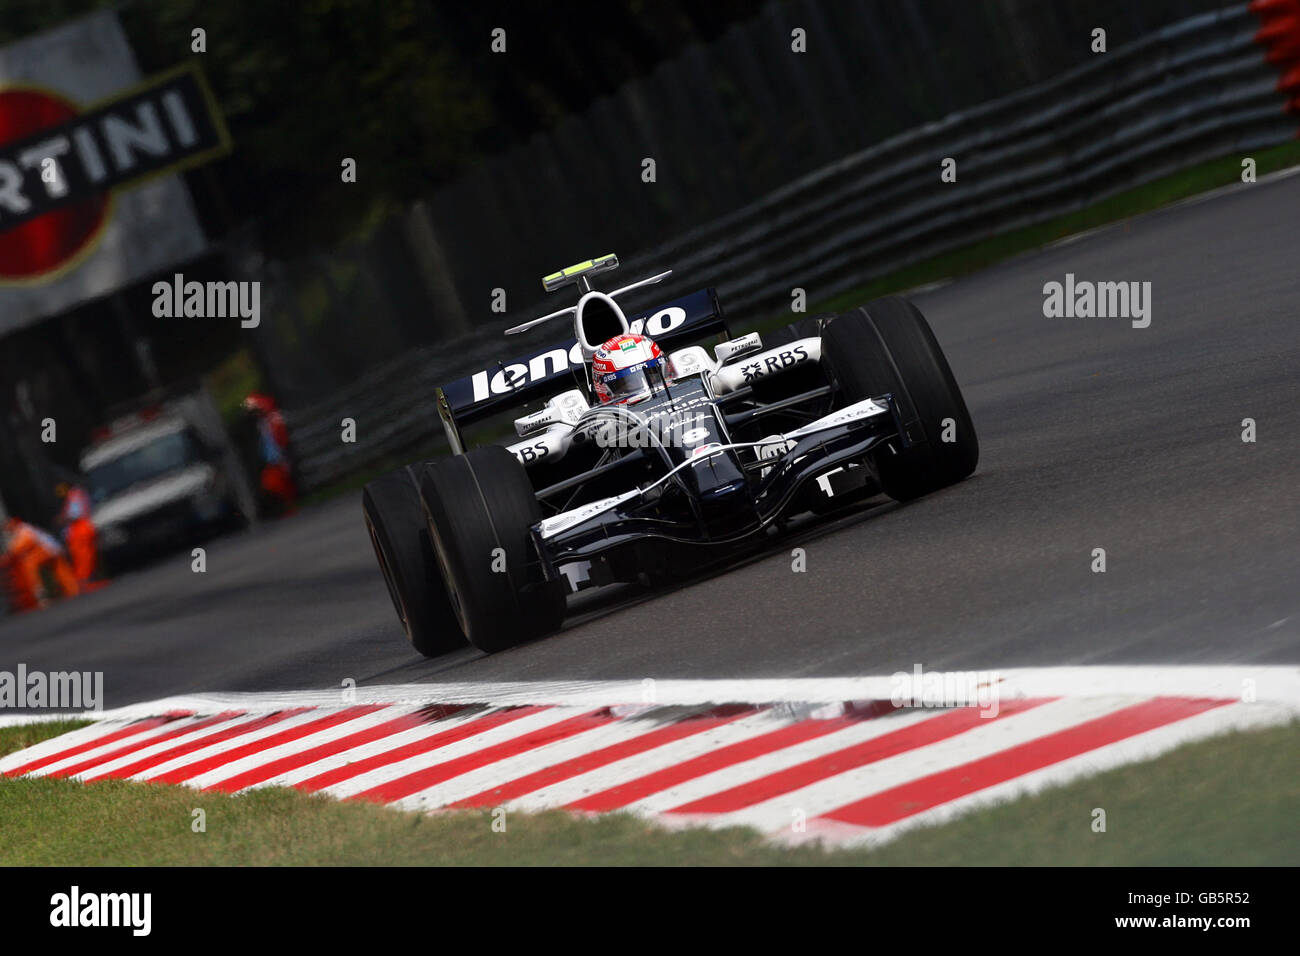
column 44, row 244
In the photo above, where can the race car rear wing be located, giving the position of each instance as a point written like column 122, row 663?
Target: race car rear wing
column 511, row 384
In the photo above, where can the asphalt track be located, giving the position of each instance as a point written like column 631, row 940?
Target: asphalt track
column 1094, row 435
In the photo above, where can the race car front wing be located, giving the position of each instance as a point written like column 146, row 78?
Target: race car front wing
column 746, row 505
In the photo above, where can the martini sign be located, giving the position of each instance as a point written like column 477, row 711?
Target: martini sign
column 88, row 197
column 59, row 164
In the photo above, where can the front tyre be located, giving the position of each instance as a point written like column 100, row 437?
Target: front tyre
column 480, row 508
column 887, row 346
column 395, row 521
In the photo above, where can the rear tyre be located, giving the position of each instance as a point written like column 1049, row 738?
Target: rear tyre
column 887, row 346
column 479, row 509
column 395, row 521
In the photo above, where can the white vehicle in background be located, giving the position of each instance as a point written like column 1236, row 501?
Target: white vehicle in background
column 163, row 478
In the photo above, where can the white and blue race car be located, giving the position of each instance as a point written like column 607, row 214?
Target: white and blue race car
column 713, row 454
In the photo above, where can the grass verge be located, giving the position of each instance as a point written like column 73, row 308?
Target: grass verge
column 13, row 739
column 1230, row 800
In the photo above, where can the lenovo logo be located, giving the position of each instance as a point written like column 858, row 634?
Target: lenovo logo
column 516, row 375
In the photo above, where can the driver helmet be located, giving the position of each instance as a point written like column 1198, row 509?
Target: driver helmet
column 629, row 368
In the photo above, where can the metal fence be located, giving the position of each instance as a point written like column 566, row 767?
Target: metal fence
column 1193, row 91
column 1168, row 98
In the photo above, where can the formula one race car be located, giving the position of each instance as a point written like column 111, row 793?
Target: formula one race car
column 643, row 461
